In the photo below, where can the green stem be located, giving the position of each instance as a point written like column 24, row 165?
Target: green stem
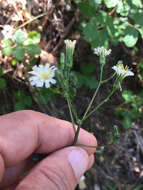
column 104, row 81
column 88, row 146
column 99, row 105
column 71, row 115
column 76, row 134
column 95, row 93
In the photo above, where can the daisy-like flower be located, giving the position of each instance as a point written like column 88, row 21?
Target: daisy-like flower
column 43, row 75
column 70, row 44
column 7, row 31
column 101, row 50
column 122, row 71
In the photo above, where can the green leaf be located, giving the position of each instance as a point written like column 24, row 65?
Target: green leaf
column 33, row 38
column 19, row 37
column 134, row 113
column 139, row 187
column 141, row 32
column 128, row 95
column 87, row 68
column 19, row 53
column 90, row 31
column 33, row 49
column 123, row 8
column 127, row 122
column 1, row 71
column 2, row 83
column 91, row 82
column 19, row 106
column 86, row 9
column 95, row 2
column 110, row 3
column 6, row 43
column 7, row 51
column 138, row 18
column 27, row 100
column 101, row 41
column 19, row 94
column 137, row 3
column 131, row 37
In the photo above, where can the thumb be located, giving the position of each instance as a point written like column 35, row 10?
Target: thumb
column 59, row 171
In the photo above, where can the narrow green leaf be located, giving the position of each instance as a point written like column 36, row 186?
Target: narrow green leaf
column 127, row 122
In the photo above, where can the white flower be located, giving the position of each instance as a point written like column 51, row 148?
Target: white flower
column 7, row 31
column 43, row 74
column 70, row 44
column 122, row 71
column 101, row 50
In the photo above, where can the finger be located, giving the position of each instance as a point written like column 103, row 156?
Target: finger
column 59, row 171
column 15, row 173
column 23, row 132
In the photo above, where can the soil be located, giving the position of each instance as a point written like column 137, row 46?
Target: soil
column 119, row 165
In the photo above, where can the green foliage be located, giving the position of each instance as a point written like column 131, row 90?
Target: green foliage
column 46, row 95
column 110, row 187
column 86, row 77
column 23, row 100
column 140, row 71
column 19, row 53
column 139, row 187
column 19, row 37
column 132, row 107
column 2, row 80
column 20, row 44
column 121, row 21
column 2, row 83
column 33, row 49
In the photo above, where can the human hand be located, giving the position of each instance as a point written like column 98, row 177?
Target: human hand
column 23, row 133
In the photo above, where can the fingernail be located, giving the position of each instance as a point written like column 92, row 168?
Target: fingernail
column 79, row 159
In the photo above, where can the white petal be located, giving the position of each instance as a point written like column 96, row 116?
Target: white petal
column 130, row 73
column 32, row 83
column 47, row 84
column 53, row 81
column 47, row 66
column 39, row 83
column 33, row 78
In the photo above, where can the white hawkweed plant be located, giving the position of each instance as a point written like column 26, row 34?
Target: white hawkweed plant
column 63, row 79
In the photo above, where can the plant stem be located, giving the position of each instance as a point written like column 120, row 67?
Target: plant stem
column 106, row 80
column 99, row 105
column 88, row 146
column 95, row 93
column 31, row 20
column 71, row 115
column 76, row 134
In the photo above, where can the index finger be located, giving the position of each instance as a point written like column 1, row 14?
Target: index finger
column 25, row 132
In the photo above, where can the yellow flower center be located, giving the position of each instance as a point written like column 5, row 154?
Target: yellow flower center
column 46, row 74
